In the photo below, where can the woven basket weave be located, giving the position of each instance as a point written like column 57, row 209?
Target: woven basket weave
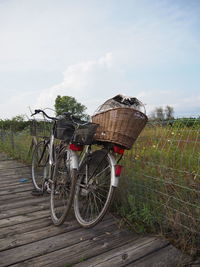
column 119, row 125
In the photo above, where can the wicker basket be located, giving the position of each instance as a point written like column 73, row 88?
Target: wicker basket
column 120, row 126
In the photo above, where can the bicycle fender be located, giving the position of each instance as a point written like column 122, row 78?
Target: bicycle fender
column 73, row 160
column 114, row 178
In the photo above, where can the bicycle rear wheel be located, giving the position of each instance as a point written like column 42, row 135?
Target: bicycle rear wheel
column 40, row 165
column 62, row 188
column 93, row 199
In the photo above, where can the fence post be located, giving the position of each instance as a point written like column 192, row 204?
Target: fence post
column 12, row 139
column 2, row 136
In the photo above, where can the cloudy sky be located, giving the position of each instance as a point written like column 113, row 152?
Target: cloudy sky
column 95, row 49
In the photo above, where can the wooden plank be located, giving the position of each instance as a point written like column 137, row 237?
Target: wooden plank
column 23, row 203
column 22, row 189
column 14, row 170
column 18, row 185
column 14, row 183
column 24, row 227
column 10, row 164
column 14, row 177
column 24, row 210
column 166, row 257
column 37, row 234
column 127, row 254
column 83, row 250
column 22, row 253
column 24, row 218
column 15, row 196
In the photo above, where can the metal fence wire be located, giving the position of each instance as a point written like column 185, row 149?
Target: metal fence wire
column 161, row 183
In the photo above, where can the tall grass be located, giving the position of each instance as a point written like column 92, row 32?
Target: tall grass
column 16, row 145
column 160, row 185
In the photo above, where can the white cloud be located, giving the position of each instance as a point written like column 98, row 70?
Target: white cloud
column 86, row 81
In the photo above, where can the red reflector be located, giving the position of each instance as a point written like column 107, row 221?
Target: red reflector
column 118, row 150
column 118, row 170
column 75, row 147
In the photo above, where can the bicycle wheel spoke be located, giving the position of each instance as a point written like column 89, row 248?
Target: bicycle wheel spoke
column 96, row 204
column 100, row 172
column 40, row 166
column 63, row 189
column 93, row 198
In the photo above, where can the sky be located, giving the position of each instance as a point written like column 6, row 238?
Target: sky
column 95, row 49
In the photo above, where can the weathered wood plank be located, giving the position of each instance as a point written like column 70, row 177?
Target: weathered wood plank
column 24, row 210
column 36, row 234
column 20, row 254
column 19, row 185
column 166, row 257
column 22, row 189
column 24, row 218
column 14, row 183
column 24, row 227
column 15, row 197
column 75, row 253
column 14, row 177
column 10, row 164
column 127, row 254
column 14, row 170
column 23, row 203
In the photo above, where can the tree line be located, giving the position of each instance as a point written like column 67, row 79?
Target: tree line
column 62, row 104
column 70, row 104
column 160, row 113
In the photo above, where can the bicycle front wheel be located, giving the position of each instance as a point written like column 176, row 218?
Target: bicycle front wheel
column 63, row 188
column 40, row 165
column 94, row 194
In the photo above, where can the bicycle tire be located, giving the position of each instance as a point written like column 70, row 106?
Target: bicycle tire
column 62, row 188
column 92, row 201
column 40, row 166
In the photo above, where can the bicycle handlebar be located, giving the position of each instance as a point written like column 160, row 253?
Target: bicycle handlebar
column 66, row 114
column 37, row 111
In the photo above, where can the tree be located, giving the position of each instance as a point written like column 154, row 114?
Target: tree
column 159, row 113
column 70, row 104
column 169, row 113
column 162, row 114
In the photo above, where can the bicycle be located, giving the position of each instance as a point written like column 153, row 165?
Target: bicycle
column 43, row 162
column 42, row 157
column 98, row 178
column 95, row 173
column 79, row 171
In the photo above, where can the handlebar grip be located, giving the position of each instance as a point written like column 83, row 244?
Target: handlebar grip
column 36, row 112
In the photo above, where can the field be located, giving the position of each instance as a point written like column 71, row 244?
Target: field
column 160, row 185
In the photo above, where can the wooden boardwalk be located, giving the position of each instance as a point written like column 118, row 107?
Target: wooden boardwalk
column 28, row 238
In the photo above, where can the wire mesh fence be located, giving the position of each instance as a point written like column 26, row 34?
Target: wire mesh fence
column 18, row 142
column 160, row 188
